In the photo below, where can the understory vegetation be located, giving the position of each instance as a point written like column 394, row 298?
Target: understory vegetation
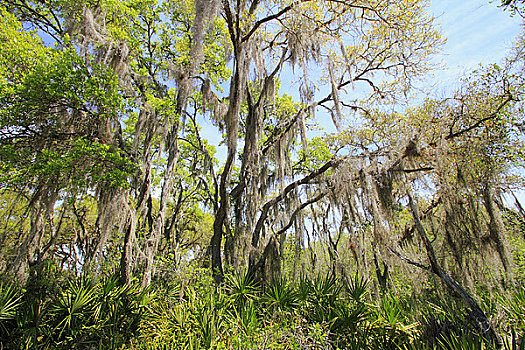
column 321, row 312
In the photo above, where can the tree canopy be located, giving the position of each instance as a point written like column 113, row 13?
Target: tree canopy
column 105, row 169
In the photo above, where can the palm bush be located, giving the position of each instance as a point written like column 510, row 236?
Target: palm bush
column 118, row 310
column 168, row 326
column 303, row 288
column 349, row 316
column 324, row 291
column 247, row 318
column 392, row 326
column 514, row 307
column 210, row 316
column 280, row 297
column 241, row 287
column 316, row 313
column 10, row 300
column 185, row 319
column 78, row 313
column 443, row 318
column 356, row 287
column 464, row 342
column 72, row 314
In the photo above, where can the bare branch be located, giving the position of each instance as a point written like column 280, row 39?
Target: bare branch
column 270, row 18
column 298, row 209
column 408, row 171
column 305, row 180
column 407, row 260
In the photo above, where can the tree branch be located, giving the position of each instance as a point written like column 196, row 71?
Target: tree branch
column 298, row 209
column 305, row 180
column 409, row 171
column 270, row 18
column 452, row 135
column 407, row 260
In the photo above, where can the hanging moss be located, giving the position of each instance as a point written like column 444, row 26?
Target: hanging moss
column 383, row 181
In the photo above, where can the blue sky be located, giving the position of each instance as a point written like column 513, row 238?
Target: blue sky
column 477, row 32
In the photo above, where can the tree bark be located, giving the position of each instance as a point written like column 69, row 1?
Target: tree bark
column 382, row 277
column 236, row 98
column 125, row 258
column 41, row 207
column 167, row 186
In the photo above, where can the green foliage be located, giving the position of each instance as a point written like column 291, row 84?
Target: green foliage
column 513, row 306
column 281, row 297
column 82, row 313
column 357, row 287
column 53, row 106
column 242, row 288
column 78, row 314
column 323, row 294
column 92, row 119
column 209, row 320
column 10, row 301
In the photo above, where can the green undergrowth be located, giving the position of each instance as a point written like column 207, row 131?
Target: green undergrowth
column 318, row 312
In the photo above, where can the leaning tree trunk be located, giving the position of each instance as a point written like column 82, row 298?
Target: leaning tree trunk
column 476, row 313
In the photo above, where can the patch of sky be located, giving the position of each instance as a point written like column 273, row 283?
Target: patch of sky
column 478, row 33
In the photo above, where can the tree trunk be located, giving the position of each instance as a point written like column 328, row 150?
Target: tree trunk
column 167, row 186
column 476, row 313
column 265, row 267
column 125, row 259
column 29, row 252
column 382, row 277
column 232, row 130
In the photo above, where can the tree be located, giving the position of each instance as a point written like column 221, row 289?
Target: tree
column 169, row 60
column 104, row 167
column 391, row 39
column 461, row 154
column 514, row 5
column 55, row 110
